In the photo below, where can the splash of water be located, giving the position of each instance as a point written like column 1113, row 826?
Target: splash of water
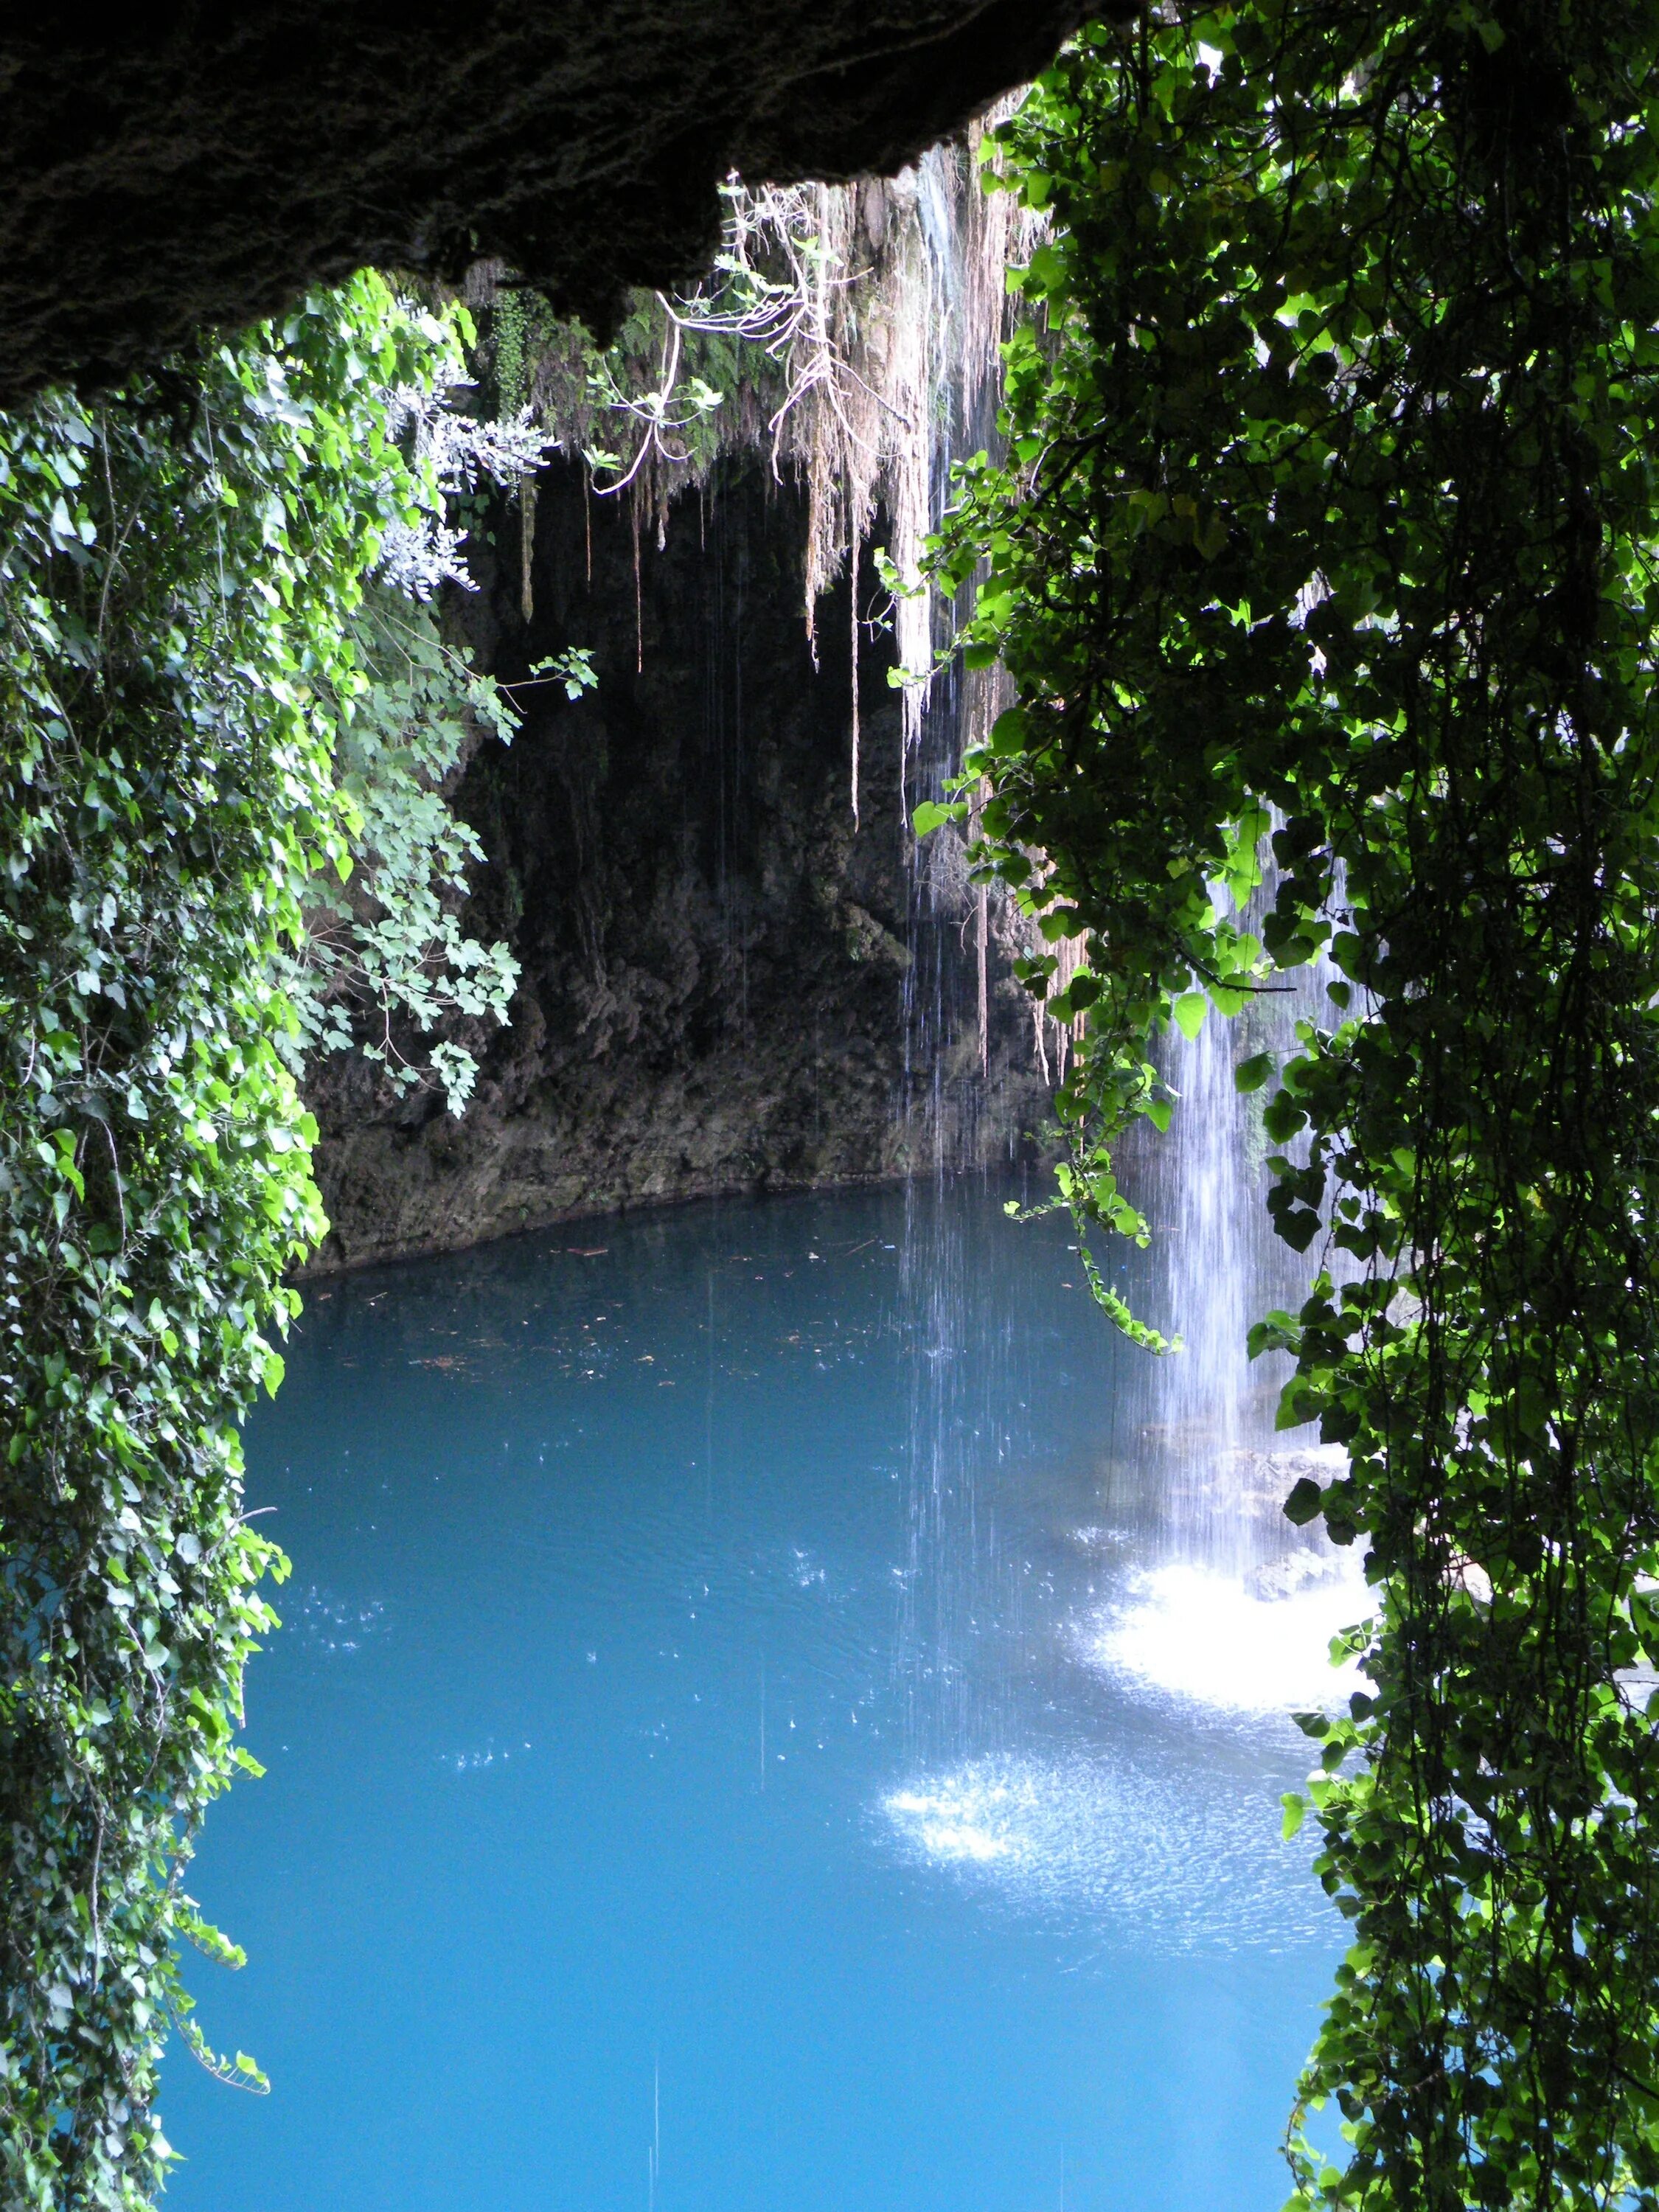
column 1229, row 1642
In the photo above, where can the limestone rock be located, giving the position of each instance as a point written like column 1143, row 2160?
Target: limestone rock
column 725, row 987
column 168, row 168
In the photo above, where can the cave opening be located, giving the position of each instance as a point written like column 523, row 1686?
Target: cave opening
column 829, row 940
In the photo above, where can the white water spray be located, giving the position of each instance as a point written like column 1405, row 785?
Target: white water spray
column 1232, row 1607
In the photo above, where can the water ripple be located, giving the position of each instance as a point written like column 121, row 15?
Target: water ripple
column 1116, row 1849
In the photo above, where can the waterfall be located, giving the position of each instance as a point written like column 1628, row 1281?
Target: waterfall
column 1235, row 1606
column 1206, row 1412
column 947, row 315
column 1192, row 1471
column 1204, row 1386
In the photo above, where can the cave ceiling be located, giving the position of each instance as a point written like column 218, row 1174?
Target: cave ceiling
column 199, row 166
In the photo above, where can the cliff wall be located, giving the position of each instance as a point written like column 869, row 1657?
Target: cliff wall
column 725, row 986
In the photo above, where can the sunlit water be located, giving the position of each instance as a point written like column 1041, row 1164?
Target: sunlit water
column 744, row 1738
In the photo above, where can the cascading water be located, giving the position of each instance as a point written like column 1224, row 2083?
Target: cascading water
column 1205, row 1387
column 1234, row 1606
column 959, row 1392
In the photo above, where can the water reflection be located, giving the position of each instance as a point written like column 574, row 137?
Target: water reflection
column 1126, row 1847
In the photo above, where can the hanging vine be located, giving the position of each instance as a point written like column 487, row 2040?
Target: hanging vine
column 1331, row 492
column 183, row 657
column 841, row 328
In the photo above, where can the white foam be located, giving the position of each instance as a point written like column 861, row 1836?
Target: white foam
column 970, row 1819
column 1205, row 1636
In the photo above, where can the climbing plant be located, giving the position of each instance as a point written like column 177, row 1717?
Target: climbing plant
column 183, row 658
column 385, row 965
column 1329, row 524
column 841, row 332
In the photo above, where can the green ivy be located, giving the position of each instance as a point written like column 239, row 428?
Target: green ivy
column 182, row 567
column 1330, row 517
column 384, row 967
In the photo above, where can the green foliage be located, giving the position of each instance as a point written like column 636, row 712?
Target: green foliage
column 573, row 668
column 1331, row 492
column 522, row 326
column 662, row 401
column 384, row 948
column 181, row 653
column 691, row 376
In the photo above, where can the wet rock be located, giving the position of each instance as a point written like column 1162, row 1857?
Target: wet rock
column 726, row 987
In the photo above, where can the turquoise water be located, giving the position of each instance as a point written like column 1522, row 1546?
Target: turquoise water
column 724, row 1755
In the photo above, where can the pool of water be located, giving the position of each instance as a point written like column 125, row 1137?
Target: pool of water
column 741, row 1741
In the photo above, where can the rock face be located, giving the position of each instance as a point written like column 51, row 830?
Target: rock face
column 177, row 167
column 725, row 988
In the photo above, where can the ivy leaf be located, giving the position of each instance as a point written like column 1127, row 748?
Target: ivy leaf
column 1250, row 1074
column 1305, row 1503
column 932, row 813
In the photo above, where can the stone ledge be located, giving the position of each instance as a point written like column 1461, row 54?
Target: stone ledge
column 203, row 164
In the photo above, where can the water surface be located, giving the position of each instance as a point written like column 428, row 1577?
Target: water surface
column 746, row 1738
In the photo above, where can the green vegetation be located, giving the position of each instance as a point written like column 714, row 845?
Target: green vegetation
column 1328, row 524
column 842, row 329
column 1330, row 513
column 683, row 380
column 207, row 708
column 383, row 953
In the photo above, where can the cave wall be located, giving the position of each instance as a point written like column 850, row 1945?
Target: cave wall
column 179, row 165
column 724, row 987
